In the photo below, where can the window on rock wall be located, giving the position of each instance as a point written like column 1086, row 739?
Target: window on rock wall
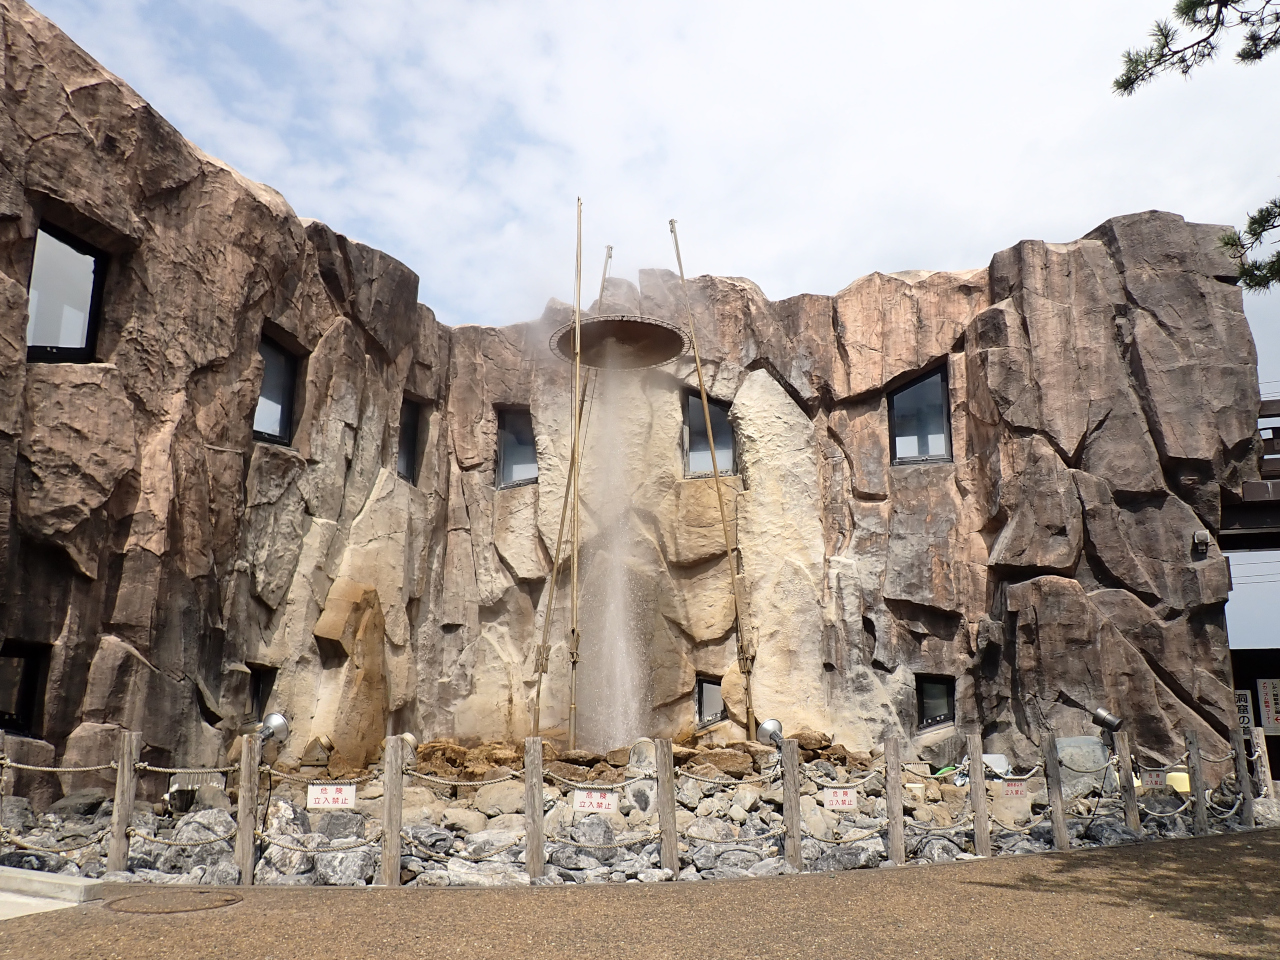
column 273, row 417
column 262, row 680
column 709, row 702
column 935, row 700
column 24, row 670
column 920, row 420
column 517, row 455
column 697, row 451
column 64, row 298
column 409, row 452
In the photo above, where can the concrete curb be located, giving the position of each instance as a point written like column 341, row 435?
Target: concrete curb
column 51, row 886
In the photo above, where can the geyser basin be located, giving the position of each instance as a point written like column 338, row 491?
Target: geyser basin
column 622, row 342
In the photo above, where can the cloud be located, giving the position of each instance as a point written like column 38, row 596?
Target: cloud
column 799, row 145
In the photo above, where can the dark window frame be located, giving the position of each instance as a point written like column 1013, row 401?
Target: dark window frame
column 701, row 681
column 949, row 457
column 926, row 723
column 686, row 434
column 31, row 685
column 101, row 262
column 291, row 414
column 262, row 684
column 415, row 456
column 499, row 412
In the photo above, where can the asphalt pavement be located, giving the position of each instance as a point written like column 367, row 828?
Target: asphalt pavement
column 1211, row 899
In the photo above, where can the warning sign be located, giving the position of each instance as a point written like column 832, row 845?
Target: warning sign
column 1015, row 788
column 595, row 801
column 1269, row 706
column 328, row 796
column 1152, row 778
column 840, row 797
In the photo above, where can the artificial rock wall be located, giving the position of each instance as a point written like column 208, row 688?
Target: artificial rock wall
column 1103, row 404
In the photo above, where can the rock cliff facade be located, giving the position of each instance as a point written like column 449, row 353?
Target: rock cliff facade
column 174, row 575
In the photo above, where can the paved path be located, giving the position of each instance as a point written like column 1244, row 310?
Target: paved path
column 1211, row 899
column 19, row 905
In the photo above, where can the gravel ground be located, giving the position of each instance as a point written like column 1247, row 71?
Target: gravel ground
column 1211, row 898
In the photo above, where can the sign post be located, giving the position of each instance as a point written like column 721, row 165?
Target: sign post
column 978, row 797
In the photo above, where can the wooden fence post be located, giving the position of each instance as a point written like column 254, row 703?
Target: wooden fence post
column 1127, row 790
column 1242, row 776
column 791, row 803
column 392, row 808
column 126, row 791
column 4, row 774
column 535, row 856
column 247, row 812
column 1053, row 780
column 1262, row 766
column 978, row 797
column 1195, row 773
column 893, row 800
column 670, row 835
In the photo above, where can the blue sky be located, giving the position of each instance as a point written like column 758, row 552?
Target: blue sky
column 800, row 145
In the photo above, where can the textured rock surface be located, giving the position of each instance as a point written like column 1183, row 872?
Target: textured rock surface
column 1103, row 398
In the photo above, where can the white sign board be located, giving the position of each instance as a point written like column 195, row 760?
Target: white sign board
column 327, row 796
column 834, row 798
column 1269, row 704
column 1015, row 788
column 1244, row 712
column 595, row 801
column 1152, row 778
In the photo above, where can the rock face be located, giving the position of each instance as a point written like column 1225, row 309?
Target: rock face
column 173, row 575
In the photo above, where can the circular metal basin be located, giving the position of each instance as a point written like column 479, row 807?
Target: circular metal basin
column 622, row 342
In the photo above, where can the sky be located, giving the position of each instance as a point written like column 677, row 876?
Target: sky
column 799, row 145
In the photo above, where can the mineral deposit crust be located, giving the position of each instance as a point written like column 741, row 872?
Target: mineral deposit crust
column 1103, row 401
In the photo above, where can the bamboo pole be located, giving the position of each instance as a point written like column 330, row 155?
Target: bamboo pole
column 122, row 806
column 535, row 858
column 1132, row 820
column 577, row 469
column 746, row 656
column 669, row 850
column 893, row 800
column 978, row 797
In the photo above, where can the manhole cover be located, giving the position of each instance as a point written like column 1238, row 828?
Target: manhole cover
column 174, row 901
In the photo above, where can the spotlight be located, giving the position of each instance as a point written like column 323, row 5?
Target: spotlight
column 1106, row 719
column 770, row 732
column 275, row 726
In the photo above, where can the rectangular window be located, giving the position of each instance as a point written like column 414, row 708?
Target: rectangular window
column 517, row 456
column 710, row 704
column 273, row 418
column 24, row 669
column 920, row 420
column 262, row 681
column 697, row 459
column 935, row 700
column 407, row 454
column 64, row 298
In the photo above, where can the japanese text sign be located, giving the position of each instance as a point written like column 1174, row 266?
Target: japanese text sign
column 595, row 801
column 325, row 796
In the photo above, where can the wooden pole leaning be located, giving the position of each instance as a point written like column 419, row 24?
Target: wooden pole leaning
column 978, row 797
column 670, row 835
column 1053, row 781
column 1243, row 781
column 1128, row 792
column 535, row 856
column 247, row 807
column 1262, row 766
column 893, row 800
column 577, row 469
column 1195, row 773
column 392, row 808
column 122, row 807
column 791, row 803
column 4, row 774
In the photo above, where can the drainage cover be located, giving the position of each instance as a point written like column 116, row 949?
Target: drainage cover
column 175, row 901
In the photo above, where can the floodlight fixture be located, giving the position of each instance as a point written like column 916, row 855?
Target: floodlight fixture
column 1105, row 719
column 770, row 733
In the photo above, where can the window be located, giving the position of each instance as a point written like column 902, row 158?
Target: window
column 262, row 681
column 697, row 452
column 408, row 451
column 710, row 704
column 64, row 298
column 517, row 457
column 935, row 700
column 24, row 669
column 273, row 418
column 920, row 420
